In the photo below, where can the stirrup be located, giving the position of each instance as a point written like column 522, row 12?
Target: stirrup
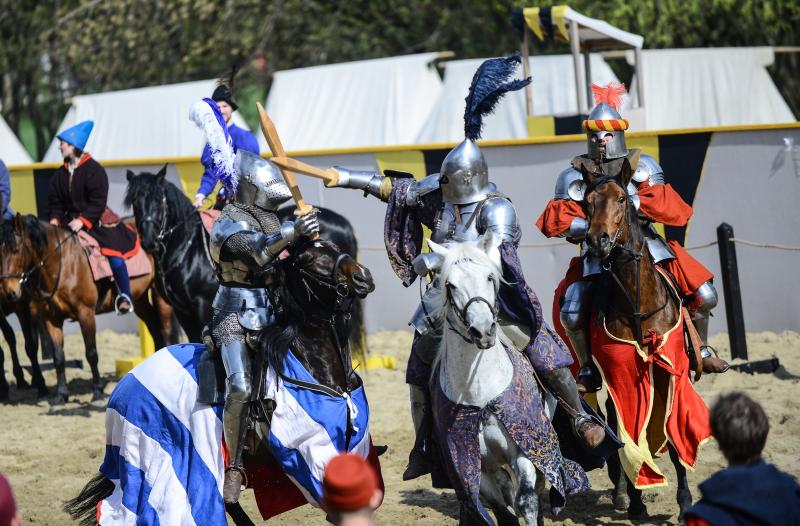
column 119, row 299
column 707, row 351
column 241, row 471
column 586, row 422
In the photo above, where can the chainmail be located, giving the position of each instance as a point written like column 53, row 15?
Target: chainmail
column 226, row 328
column 268, row 221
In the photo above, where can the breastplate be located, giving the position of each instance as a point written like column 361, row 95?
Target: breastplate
column 447, row 228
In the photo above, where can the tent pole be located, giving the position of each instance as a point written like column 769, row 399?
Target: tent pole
column 637, row 53
column 575, row 45
column 526, row 69
column 587, row 67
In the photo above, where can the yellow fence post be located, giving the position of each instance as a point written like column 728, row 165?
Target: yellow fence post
column 146, row 348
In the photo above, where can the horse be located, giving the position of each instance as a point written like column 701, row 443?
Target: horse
column 22, row 310
column 314, row 291
column 488, row 410
column 47, row 265
column 173, row 234
column 637, row 307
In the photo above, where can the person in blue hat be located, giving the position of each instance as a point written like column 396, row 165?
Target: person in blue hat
column 5, row 192
column 77, row 196
column 241, row 138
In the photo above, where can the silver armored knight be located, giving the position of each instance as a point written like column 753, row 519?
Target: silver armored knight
column 655, row 201
column 460, row 204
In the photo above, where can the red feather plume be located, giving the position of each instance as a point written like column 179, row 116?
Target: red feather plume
column 611, row 94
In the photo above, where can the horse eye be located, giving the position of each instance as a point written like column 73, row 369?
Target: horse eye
column 491, row 279
column 621, row 199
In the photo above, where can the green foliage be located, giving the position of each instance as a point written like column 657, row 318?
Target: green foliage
column 54, row 49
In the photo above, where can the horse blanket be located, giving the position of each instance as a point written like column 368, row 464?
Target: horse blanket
column 521, row 411
column 653, row 397
column 165, row 452
column 138, row 264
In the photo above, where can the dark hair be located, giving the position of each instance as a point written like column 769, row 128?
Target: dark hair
column 740, row 426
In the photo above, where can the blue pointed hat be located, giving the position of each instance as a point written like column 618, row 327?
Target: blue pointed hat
column 78, row 135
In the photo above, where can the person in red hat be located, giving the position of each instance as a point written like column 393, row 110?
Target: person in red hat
column 9, row 514
column 350, row 491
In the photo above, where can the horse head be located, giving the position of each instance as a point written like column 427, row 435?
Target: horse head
column 470, row 279
column 18, row 238
column 607, row 207
column 321, row 281
column 146, row 195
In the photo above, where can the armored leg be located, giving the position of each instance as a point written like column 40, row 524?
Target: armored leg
column 574, row 317
column 238, row 393
column 563, row 386
column 703, row 302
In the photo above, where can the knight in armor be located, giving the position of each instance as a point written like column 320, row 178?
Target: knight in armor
column 460, row 204
column 655, row 201
column 245, row 241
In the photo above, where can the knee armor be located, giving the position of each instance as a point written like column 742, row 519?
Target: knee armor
column 705, row 299
column 574, row 312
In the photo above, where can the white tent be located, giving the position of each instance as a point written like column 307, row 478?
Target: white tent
column 354, row 104
column 553, row 94
column 691, row 88
column 140, row 123
column 11, row 150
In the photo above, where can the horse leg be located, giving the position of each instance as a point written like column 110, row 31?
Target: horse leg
column 619, row 494
column 3, row 381
column 527, row 499
column 147, row 313
column 31, row 329
column 56, row 332
column 8, row 334
column 87, row 322
column 684, row 495
column 165, row 314
column 492, row 492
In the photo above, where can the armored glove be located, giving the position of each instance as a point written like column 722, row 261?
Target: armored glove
column 306, row 225
column 426, row 263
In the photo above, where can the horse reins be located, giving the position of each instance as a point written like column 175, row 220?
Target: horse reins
column 24, row 276
column 608, row 267
column 461, row 313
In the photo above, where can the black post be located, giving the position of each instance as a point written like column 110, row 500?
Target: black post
column 733, row 292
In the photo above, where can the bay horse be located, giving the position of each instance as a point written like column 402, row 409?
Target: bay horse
column 172, row 233
column 47, row 265
column 490, row 415
column 635, row 330
column 31, row 335
column 314, row 289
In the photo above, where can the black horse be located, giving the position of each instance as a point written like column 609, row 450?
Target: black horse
column 31, row 336
column 172, row 232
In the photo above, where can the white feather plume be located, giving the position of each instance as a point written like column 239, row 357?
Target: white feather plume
column 220, row 143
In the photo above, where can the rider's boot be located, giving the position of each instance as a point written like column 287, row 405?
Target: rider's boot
column 562, row 384
column 235, row 421
column 704, row 300
column 419, row 459
column 573, row 315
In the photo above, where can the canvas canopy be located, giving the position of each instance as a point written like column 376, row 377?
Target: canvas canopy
column 11, row 150
column 140, row 123
column 701, row 87
column 553, row 92
column 367, row 103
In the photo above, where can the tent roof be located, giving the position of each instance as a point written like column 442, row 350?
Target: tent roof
column 553, row 94
column 595, row 33
column 140, row 123
column 11, row 149
column 354, row 104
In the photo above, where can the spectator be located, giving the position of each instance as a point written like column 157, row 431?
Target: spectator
column 350, row 491
column 9, row 514
column 749, row 491
column 241, row 139
column 5, row 192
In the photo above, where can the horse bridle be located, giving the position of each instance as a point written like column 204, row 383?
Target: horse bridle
column 25, row 275
column 461, row 313
column 608, row 267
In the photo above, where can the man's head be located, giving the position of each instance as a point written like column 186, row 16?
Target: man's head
column 224, row 99
column 9, row 515
column 605, row 127
column 740, row 426
column 350, row 490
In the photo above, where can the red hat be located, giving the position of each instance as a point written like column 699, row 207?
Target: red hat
column 8, row 508
column 349, row 483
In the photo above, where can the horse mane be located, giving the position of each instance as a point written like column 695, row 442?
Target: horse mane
column 34, row 228
column 145, row 187
column 8, row 238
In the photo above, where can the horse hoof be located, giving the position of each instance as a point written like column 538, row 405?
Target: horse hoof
column 23, row 384
column 380, row 450
column 3, row 396
column 621, row 501
column 43, row 391
column 59, row 399
column 684, row 499
column 98, row 395
column 637, row 511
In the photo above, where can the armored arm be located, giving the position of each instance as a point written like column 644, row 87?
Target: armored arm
column 372, row 183
column 648, row 173
column 499, row 216
column 570, row 185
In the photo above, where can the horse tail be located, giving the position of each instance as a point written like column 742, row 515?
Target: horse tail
column 83, row 507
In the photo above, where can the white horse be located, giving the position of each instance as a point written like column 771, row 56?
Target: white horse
column 474, row 368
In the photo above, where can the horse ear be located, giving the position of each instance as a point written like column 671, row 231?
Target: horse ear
column 130, row 175
column 162, row 174
column 436, row 248
column 629, row 167
column 18, row 221
column 588, row 176
column 490, row 243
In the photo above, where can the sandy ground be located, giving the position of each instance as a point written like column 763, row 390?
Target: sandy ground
column 50, row 452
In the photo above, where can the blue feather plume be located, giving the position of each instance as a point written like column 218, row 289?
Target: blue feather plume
column 489, row 84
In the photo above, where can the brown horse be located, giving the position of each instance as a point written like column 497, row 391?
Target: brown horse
column 47, row 265
column 635, row 303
